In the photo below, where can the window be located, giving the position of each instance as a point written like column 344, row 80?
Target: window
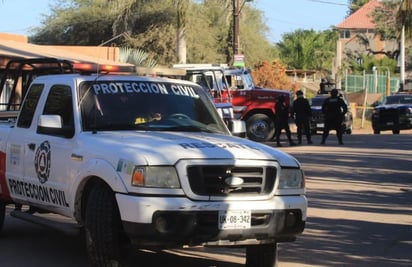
column 59, row 102
column 29, row 106
column 345, row 34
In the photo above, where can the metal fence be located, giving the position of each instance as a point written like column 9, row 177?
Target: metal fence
column 375, row 83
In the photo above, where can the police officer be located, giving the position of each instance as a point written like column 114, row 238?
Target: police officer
column 334, row 110
column 302, row 113
column 282, row 120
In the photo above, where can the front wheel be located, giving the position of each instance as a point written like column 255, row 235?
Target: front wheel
column 104, row 236
column 260, row 128
column 2, row 213
column 265, row 255
column 396, row 131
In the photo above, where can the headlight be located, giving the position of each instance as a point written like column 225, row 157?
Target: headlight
column 291, row 179
column 155, row 176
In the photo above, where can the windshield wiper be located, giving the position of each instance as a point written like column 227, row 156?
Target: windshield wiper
column 188, row 128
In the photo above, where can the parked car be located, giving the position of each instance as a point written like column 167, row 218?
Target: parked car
column 317, row 122
column 394, row 113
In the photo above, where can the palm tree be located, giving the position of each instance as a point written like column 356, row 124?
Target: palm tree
column 181, row 7
column 404, row 16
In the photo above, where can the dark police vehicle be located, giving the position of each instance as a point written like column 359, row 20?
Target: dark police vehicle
column 393, row 114
column 317, row 122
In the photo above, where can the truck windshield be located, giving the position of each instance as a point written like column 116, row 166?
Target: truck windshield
column 144, row 105
column 398, row 99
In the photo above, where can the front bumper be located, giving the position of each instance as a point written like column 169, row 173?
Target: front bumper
column 403, row 122
column 174, row 222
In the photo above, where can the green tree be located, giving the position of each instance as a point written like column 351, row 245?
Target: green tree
column 384, row 17
column 354, row 5
column 74, row 23
column 308, row 49
column 404, row 16
column 151, row 26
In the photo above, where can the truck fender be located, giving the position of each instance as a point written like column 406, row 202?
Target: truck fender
column 93, row 168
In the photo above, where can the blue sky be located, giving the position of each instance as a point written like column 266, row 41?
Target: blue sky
column 281, row 16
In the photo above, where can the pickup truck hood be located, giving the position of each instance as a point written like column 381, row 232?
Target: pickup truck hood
column 394, row 106
column 169, row 147
column 271, row 92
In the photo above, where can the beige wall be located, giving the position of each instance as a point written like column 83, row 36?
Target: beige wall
column 102, row 52
column 14, row 37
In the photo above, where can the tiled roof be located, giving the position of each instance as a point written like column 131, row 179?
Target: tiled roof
column 362, row 18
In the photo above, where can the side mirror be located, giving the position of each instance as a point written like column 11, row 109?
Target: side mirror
column 53, row 125
column 237, row 127
column 376, row 103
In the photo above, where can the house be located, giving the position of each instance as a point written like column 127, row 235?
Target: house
column 357, row 36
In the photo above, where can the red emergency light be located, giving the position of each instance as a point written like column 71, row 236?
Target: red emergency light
column 102, row 68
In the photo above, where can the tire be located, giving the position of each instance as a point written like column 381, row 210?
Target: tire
column 260, row 128
column 265, row 255
column 2, row 213
column 103, row 231
column 396, row 131
column 376, row 131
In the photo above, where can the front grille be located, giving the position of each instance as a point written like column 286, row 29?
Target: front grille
column 212, row 180
column 317, row 116
column 389, row 115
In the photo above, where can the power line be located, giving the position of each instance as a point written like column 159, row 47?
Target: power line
column 328, row 2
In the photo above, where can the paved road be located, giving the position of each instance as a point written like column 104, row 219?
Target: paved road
column 360, row 214
column 360, row 202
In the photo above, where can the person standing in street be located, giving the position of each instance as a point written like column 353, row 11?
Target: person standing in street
column 282, row 120
column 302, row 113
column 334, row 110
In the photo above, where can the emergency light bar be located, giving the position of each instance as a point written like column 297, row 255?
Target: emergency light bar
column 99, row 68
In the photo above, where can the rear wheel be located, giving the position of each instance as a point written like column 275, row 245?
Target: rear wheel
column 104, row 236
column 376, row 131
column 260, row 128
column 2, row 213
column 265, row 255
column 396, row 131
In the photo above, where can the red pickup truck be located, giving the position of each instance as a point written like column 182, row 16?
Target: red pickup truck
column 255, row 105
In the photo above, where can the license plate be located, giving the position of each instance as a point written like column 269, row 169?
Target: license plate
column 390, row 123
column 320, row 125
column 234, row 219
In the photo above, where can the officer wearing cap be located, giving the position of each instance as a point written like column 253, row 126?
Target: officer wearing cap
column 334, row 110
column 302, row 113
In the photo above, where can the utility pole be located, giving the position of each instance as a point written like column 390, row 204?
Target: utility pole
column 237, row 8
column 236, row 14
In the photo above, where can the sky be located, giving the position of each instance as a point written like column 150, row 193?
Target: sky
column 281, row 16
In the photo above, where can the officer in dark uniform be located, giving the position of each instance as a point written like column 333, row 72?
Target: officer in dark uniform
column 282, row 120
column 302, row 113
column 334, row 110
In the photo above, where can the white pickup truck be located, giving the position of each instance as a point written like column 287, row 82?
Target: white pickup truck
column 148, row 163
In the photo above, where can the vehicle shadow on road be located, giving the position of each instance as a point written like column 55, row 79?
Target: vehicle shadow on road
column 39, row 246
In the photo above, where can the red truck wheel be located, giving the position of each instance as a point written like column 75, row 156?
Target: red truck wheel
column 260, row 128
